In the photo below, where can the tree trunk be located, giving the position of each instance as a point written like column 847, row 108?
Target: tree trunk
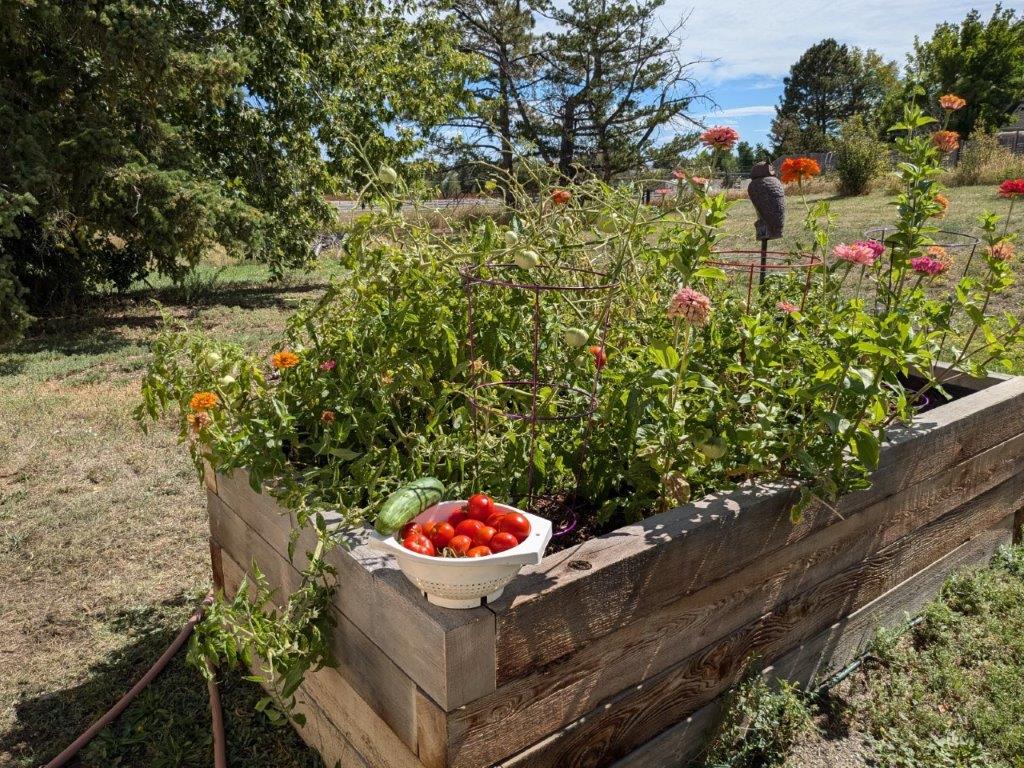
column 567, row 145
column 505, row 128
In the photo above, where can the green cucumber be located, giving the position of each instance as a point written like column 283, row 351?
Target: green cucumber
column 407, row 502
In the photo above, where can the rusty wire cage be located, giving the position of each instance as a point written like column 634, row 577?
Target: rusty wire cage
column 569, row 281
column 755, row 265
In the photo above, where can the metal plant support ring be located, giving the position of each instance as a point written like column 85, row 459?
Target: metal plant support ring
column 755, row 262
column 949, row 239
column 494, row 276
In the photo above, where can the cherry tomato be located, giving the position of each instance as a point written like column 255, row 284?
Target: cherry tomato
column 480, row 507
column 484, row 535
column 503, row 541
column 409, row 529
column 516, row 524
column 419, row 543
column 428, row 527
column 456, row 517
column 479, row 552
column 460, row 544
column 442, row 534
column 469, row 528
column 493, row 519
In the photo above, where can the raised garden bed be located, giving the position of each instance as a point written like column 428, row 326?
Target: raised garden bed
column 622, row 645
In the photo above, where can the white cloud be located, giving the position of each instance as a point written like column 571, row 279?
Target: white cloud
column 734, row 112
column 762, row 38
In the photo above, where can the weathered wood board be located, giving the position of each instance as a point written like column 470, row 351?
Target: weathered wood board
column 619, row 649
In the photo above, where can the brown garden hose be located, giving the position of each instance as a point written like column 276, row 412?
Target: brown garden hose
column 219, row 756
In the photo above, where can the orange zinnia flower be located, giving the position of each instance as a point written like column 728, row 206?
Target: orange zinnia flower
column 941, row 255
column 284, row 359
column 943, row 203
column 952, row 102
column 946, row 141
column 327, row 417
column 203, row 401
column 798, row 168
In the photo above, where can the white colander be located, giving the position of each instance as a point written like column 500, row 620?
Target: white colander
column 465, row 582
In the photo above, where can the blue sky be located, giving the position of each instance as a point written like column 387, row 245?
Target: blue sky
column 750, row 44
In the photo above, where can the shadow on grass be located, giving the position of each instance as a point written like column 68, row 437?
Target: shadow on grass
column 167, row 725
column 110, row 324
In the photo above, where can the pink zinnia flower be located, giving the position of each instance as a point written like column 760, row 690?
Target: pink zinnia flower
column 699, row 181
column 877, row 247
column 926, row 265
column 720, row 137
column 946, row 141
column 328, row 365
column 1002, row 251
column 788, row 307
column 691, row 306
column 679, row 173
column 858, row 253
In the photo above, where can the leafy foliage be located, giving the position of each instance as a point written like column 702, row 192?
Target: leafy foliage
column 761, row 723
column 138, row 135
column 826, row 86
column 983, row 61
column 860, row 156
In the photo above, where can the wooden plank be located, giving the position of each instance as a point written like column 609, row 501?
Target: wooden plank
column 559, row 693
column 449, row 654
column 209, row 476
column 216, row 565
column 385, row 687
column 643, row 710
column 431, row 732
column 827, row 652
column 842, row 642
column 541, row 633
column 349, row 714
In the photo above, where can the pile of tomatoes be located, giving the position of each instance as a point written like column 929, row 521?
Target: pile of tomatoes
column 477, row 530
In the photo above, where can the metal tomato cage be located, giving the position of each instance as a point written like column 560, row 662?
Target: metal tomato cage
column 951, row 240
column 749, row 263
column 579, row 282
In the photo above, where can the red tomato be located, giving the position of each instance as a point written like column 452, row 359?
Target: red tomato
column 469, row 528
column 502, row 542
column 494, row 518
column 460, row 544
column 408, row 530
column 456, row 517
column 428, row 527
column 479, row 552
column 442, row 534
column 516, row 524
column 419, row 543
column 480, row 507
column 484, row 535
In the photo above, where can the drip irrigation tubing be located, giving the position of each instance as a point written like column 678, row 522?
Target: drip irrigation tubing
column 219, row 753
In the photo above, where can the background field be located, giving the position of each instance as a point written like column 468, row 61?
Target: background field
column 103, row 549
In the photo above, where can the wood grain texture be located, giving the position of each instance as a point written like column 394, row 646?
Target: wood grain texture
column 350, row 715
column 561, row 692
column 637, row 714
column 378, row 680
column 449, row 654
column 827, row 652
column 431, row 732
column 216, row 565
column 842, row 642
column 638, row 569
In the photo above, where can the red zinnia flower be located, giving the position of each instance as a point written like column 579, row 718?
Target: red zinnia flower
column 1012, row 188
column 561, row 196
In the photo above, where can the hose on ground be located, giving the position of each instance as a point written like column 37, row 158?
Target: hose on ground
column 220, row 759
